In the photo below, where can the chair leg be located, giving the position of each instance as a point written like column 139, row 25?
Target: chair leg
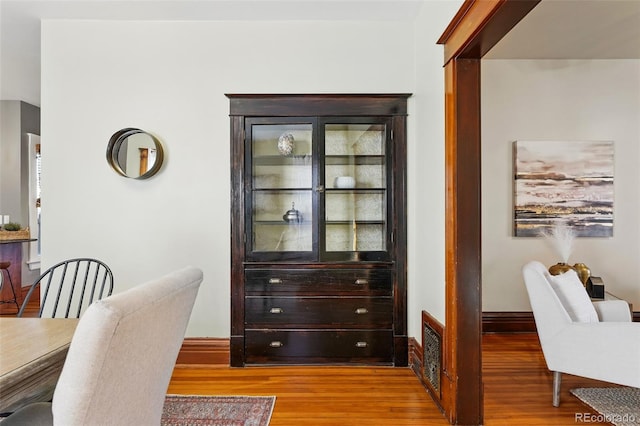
column 557, row 380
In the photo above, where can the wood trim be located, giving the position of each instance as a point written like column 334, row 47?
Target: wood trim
column 399, row 242
column 287, row 105
column 416, row 362
column 517, row 322
column 204, row 351
column 475, row 29
column 462, row 382
column 508, row 322
column 415, row 356
column 479, row 25
column 237, row 241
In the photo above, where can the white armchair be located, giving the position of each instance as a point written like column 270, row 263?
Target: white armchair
column 121, row 357
column 578, row 337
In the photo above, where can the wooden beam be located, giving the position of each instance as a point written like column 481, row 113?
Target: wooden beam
column 480, row 24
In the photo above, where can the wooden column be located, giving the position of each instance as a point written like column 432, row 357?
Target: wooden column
column 462, row 362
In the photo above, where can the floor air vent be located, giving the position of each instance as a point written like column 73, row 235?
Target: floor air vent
column 432, row 332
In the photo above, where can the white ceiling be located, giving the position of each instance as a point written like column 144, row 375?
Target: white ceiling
column 574, row 29
column 580, row 29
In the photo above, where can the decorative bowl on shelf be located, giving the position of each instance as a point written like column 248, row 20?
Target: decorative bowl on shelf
column 285, row 144
column 344, row 182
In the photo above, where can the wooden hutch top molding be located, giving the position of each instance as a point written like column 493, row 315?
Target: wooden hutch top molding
column 284, row 105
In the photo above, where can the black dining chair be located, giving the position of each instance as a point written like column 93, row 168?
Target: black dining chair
column 69, row 287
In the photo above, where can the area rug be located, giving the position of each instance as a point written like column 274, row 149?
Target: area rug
column 183, row 410
column 617, row 405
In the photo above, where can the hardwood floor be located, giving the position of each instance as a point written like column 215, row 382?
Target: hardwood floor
column 517, row 390
column 517, row 384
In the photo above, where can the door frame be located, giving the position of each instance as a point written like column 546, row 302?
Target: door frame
column 474, row 30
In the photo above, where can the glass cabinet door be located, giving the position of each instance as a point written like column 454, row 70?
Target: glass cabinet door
column 280, row 195
column 356, row 195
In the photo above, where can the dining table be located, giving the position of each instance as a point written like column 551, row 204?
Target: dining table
column 32, row 353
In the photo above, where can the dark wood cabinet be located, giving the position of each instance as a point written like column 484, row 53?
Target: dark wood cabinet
column 318, row 230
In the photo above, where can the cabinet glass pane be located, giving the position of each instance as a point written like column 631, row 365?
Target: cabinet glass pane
column 281, row 156
column 281, row 182
column 356, row 193
column 355, row 237
column 271, row 231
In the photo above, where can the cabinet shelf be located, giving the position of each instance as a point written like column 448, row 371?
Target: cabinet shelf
column 358, row 160
column 275, row 190
column 281, row 160
column 309, row 223
column 356, row 222
column 357, row 190
column 334, row 190
column 281, row 223
column 300, row 160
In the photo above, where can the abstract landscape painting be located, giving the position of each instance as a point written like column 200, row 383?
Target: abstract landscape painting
column 569, row 181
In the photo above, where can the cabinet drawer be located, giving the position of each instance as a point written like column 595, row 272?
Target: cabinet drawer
column 327, row 312
column 313, row 346
column 373, row 282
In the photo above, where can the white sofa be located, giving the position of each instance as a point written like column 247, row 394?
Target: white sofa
column 595, row 340
column 121, row 357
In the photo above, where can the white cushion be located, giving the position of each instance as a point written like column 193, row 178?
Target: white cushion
column 574, row 297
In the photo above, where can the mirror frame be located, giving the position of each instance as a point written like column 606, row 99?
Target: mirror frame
column 115, row 143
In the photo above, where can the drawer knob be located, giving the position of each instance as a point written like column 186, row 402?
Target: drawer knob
column 276, row 310
column 361, row 311
column 362, row 281
column 275, row 281
column 361, row 344
column 276, row 344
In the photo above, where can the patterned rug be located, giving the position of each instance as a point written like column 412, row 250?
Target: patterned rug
column 618, row 405
column 183, row 410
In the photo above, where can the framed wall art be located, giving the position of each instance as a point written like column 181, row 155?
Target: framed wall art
column 569, row 181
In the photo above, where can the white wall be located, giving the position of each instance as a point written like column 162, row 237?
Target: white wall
column 169, row 78
column 10, row 153
column 558, row 100
column 425, row 169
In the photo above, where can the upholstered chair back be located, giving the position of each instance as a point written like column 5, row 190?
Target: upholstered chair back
column 123, row 352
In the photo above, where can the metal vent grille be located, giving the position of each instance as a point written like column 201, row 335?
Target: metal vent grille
column 432, row 357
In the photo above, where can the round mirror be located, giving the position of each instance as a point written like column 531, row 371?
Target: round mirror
column 134, row 153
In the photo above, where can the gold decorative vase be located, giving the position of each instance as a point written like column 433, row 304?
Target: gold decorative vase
column 583, row 272
column 559, row 268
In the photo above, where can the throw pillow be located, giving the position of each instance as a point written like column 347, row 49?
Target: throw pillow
column 574, row 297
